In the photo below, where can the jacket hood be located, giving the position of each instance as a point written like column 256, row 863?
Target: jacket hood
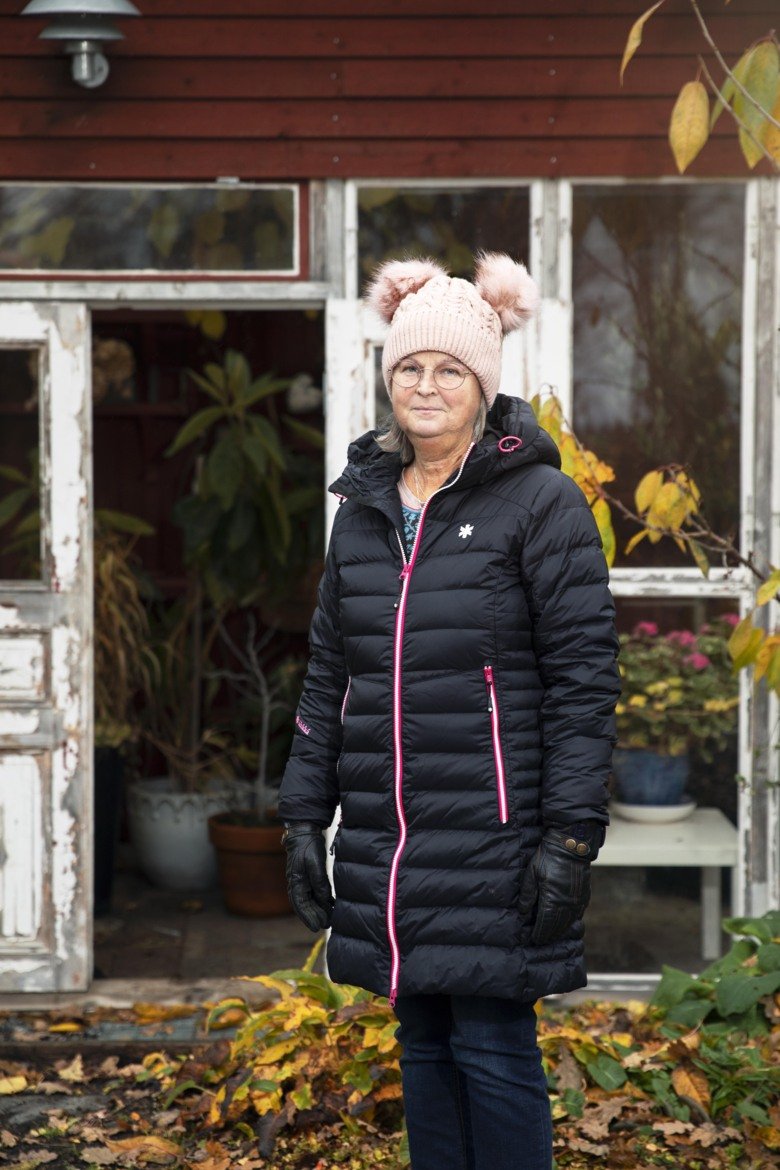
column 372, row 473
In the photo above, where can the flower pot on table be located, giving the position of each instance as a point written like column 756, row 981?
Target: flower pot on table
column 643, row 776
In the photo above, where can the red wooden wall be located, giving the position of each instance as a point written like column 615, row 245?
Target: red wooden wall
column 292, row 89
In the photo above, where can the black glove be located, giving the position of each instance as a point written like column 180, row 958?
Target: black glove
column 556, row 887
column 307, row 877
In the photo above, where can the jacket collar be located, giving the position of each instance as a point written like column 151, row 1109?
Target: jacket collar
column 371, row 474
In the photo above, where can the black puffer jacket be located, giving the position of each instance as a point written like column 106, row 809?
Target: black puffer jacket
column 457, row 701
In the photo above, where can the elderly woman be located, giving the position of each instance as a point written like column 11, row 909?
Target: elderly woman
column 459, row 705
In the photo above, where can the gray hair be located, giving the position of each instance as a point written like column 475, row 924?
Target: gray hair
column 392, row 438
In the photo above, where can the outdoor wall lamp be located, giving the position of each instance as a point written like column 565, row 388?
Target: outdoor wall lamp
column 83, row 27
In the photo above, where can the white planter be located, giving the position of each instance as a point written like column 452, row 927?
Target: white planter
column 169, row 830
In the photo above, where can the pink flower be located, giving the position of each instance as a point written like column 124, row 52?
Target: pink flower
column 697, row 661
column 649, row 628
column 681, row 638
column 732, row 619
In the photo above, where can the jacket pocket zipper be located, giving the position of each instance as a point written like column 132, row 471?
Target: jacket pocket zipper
column 345, row 700
column 498, row 755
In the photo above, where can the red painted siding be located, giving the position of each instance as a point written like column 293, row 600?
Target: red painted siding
column 319, row 88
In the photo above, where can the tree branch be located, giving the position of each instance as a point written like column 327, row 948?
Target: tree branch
column 721, row 61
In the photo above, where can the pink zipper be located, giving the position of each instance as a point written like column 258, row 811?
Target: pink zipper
column 498, row 755
column 398, row 772
column 346, row 698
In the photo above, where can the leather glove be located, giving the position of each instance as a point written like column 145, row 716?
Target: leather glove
column 556, row 887
column 307, row 877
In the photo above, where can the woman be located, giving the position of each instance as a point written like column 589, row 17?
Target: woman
column 459, row 705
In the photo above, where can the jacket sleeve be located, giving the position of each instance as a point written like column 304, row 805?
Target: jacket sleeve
column 309, row 789
column 566, row 581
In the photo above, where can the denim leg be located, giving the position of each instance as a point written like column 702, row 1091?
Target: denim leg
column 437, row 1115
column 493, row 1042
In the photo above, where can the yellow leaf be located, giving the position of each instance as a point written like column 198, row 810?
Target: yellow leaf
column 275, row 1051
column 769, row 1135
column 760, row 81
column 729, row 88
column 603, row 517
column 74, row 1072
column 635, row 37
column 668, row 508
column 634, row 541
column 647, row 489
column 699, row 556
column 689, row 124
column 12, row 1084
column 769, row 588
column 772, row 135
column 66, row 1027
column 689, row 1082
column 745, row 642
column 155, row 1012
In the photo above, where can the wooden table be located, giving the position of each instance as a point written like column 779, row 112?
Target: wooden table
column 706, row 839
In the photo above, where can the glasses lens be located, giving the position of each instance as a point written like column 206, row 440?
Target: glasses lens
column 449, row 377
column 407, row 375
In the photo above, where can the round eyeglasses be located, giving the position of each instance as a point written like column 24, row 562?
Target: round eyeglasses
column 446, row 376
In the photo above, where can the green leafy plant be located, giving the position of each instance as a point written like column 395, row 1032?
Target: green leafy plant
column 251, row 496
column 677, row 688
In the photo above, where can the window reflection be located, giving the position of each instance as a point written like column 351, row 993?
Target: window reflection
column 657, row 275
column 105, row 228
column 448, row 225
column 20, row 530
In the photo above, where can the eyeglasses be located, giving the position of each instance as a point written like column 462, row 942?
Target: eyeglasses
column 446, row 376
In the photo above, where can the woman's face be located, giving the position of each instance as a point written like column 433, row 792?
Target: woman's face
column 426, row 411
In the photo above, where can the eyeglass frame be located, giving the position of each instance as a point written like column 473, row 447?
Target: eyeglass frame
column 431, row 370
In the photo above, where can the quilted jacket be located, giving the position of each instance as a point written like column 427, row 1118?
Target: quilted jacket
column 459, row 698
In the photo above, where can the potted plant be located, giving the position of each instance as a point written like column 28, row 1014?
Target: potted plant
column 250, row 854
column 678, row 690
column 168, row 814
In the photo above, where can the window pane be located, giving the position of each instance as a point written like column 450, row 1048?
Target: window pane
column 644, row 916
column 20, row 531
column 165, row 229
column 657, row 277
column 448, row 225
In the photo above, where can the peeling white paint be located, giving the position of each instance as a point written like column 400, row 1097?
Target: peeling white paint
column 19, row 722
column 9, row 616
column 21, row 669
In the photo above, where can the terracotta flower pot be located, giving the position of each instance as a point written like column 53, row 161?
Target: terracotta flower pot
column 251, row 862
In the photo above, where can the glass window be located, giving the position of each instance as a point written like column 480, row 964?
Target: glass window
column 20, row 526
column 657, row 279
column 450, row 225
column 642, row 917
column 165, row 229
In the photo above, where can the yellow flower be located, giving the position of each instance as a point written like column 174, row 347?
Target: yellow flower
column 657, row 688
column 638, row 701
column 675, row 696
column 620, row 709
column 720, row 704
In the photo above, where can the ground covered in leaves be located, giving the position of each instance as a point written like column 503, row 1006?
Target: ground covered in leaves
column 308, row 1078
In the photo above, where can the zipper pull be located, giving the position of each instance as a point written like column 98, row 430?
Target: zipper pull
column 393, row 996
column 405, row 571
column 489, row 685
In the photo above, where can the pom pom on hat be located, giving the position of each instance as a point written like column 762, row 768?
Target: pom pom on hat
column 507, row 288
column 395, row 280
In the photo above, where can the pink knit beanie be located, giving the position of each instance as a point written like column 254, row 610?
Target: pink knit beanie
column 429, row 310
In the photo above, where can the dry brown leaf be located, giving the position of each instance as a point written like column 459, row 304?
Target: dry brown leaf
column 73, row 1073
column 672, row 1127
column 146, row 1148
column 689, row 1082
column 99, row 1156
column 711, row 1135
column 7, row 1139
column 568, row 1072
column 580, row 1146
column 596, row 1120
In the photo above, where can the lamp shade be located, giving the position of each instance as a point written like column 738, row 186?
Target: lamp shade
column 81, row 30
column 80, row 8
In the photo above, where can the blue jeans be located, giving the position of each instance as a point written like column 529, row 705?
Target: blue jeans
column 475, row 1094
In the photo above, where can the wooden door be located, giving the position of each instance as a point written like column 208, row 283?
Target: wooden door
column 45, row 649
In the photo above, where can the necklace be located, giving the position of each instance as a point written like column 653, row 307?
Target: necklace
column 406, row 485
